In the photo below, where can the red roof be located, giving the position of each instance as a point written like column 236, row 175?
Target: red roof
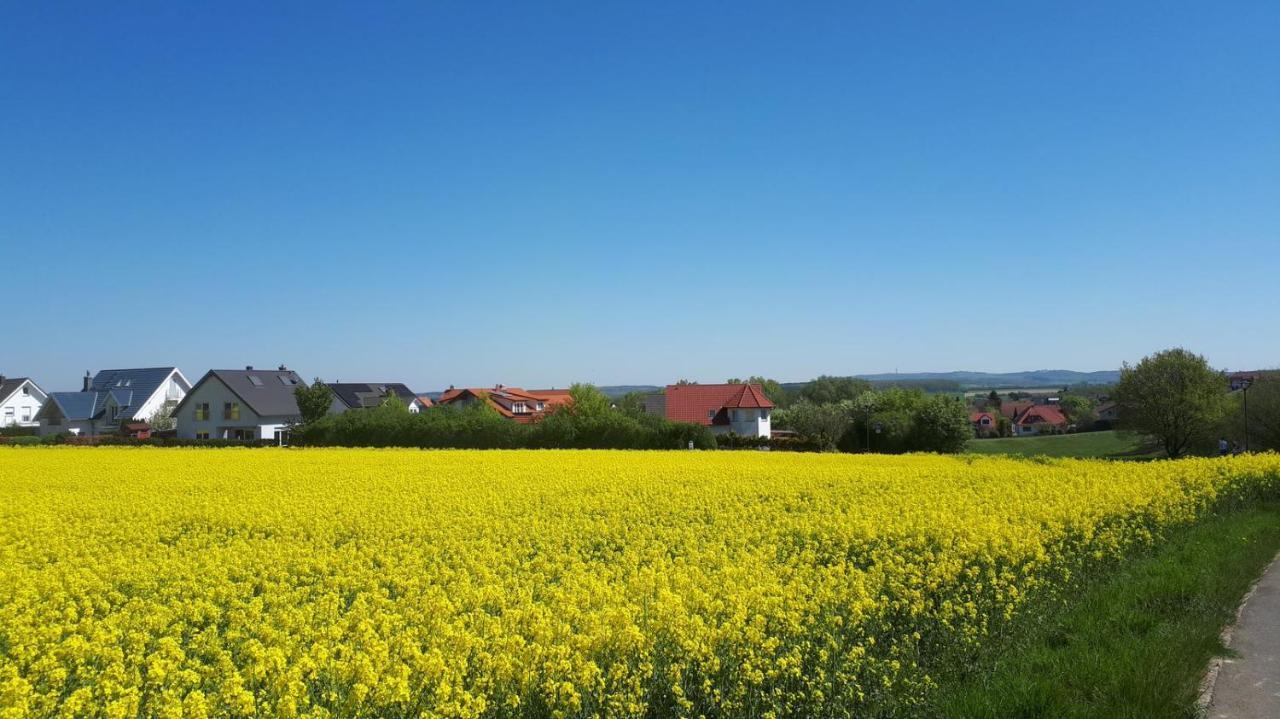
column 503, row 399
column 977, row 417
column 1013, row 409
column 701, row 403
column 1043, row 414
column 425, row 400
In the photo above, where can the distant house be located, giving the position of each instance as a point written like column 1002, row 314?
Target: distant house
column 111, row 397
column 738, row 408
column 1040, row 419
column 985, row 424
column 348, row 396
column 426, row 401
column 20, row 401
column 1011, row 410
column 514, row 403
column 243, row 404
column 1108, row 412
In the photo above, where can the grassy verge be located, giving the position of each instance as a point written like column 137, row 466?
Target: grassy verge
column 1109, row 444
column 1133, row 643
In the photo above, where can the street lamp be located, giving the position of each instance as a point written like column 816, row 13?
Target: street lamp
column 1245, row 384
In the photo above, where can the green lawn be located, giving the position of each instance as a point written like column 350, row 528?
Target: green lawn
column 1133, row 642
column 1086, row 444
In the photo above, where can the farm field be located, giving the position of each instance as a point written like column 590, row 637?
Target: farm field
column 1109, row 444
column 398, row 583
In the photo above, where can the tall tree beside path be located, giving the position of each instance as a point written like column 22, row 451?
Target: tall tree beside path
column 1175, row 397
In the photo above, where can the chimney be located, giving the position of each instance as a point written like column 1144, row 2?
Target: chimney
column 88, row 381
column 283, row 368
column 1, row 379
column 248, row 367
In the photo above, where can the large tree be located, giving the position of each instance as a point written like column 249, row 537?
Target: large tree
column 313, row 401
column 1173, row 396
column 830, row 390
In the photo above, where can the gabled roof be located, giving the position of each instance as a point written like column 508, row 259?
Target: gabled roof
column 503, row 399
column 9, row 385
column 1042, row 414
column 704, row 403
column 426, row 401
column 78, row 405
column 370, row 394
column 269, row 393
column 1013, row 409
column 751, row 396
column 133, row 387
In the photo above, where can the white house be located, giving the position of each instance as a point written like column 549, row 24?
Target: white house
column 348, row 396
column 113, row 396
column 243, row 404
column 20, row 401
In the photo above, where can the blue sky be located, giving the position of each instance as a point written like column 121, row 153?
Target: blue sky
column 538, row 193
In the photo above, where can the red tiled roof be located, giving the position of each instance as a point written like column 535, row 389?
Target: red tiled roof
column 502, row 398
column 977, row 416
column 425, row 400
column 701, row 403
column 1013, row 409
column 1043, row 414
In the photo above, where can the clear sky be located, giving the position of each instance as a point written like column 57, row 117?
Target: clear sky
column 538, row 193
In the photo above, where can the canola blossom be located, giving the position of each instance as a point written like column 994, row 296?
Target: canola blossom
column 405, row 583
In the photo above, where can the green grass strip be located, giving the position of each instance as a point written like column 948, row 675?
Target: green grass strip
column 1133, row 642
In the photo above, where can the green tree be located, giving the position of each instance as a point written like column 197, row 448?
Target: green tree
column 588, row 401
column 993, row 400
column 1079, row 410
column 163, row 418
column 632, row 403
column 1264, row 415
column 824, row 424
column 830, row 390
column 1175, row 397
column 313, row 401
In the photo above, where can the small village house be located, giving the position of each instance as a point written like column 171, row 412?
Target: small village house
column 111, row 397
column 985, row 423
column 1040, row 419
column 348, row 396
column 741, row 409
column 246, row 404
column 514, row 403
column 20, row 402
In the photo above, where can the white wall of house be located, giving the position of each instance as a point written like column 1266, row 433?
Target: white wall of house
column 747, row 422
column 173, row 389
column 22, row 406
column 217, row 426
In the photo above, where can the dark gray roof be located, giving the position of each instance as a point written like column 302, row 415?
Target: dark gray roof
column 79, row 405
column 140, row 383
column 370, row 394
column 9, row 385
column 271, row 395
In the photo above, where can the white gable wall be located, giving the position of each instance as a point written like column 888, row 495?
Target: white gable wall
column 173, row 389
column 21, row 407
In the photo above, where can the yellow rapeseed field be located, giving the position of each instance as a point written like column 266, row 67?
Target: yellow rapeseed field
column 403, row 583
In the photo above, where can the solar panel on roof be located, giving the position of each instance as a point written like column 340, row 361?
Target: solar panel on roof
column 256, row 380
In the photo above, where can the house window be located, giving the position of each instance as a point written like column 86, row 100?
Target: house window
column 242, row 434
column 282, row 437
column 202, row 412
column 538, row 406
column 8, row 415
column 26, row 389
column 231, row 410
column 737, row 415
column 202, row 435
column 519, row 408
column 711, row 414
column 764, row 414
column 255, row 380
column 26, row 414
